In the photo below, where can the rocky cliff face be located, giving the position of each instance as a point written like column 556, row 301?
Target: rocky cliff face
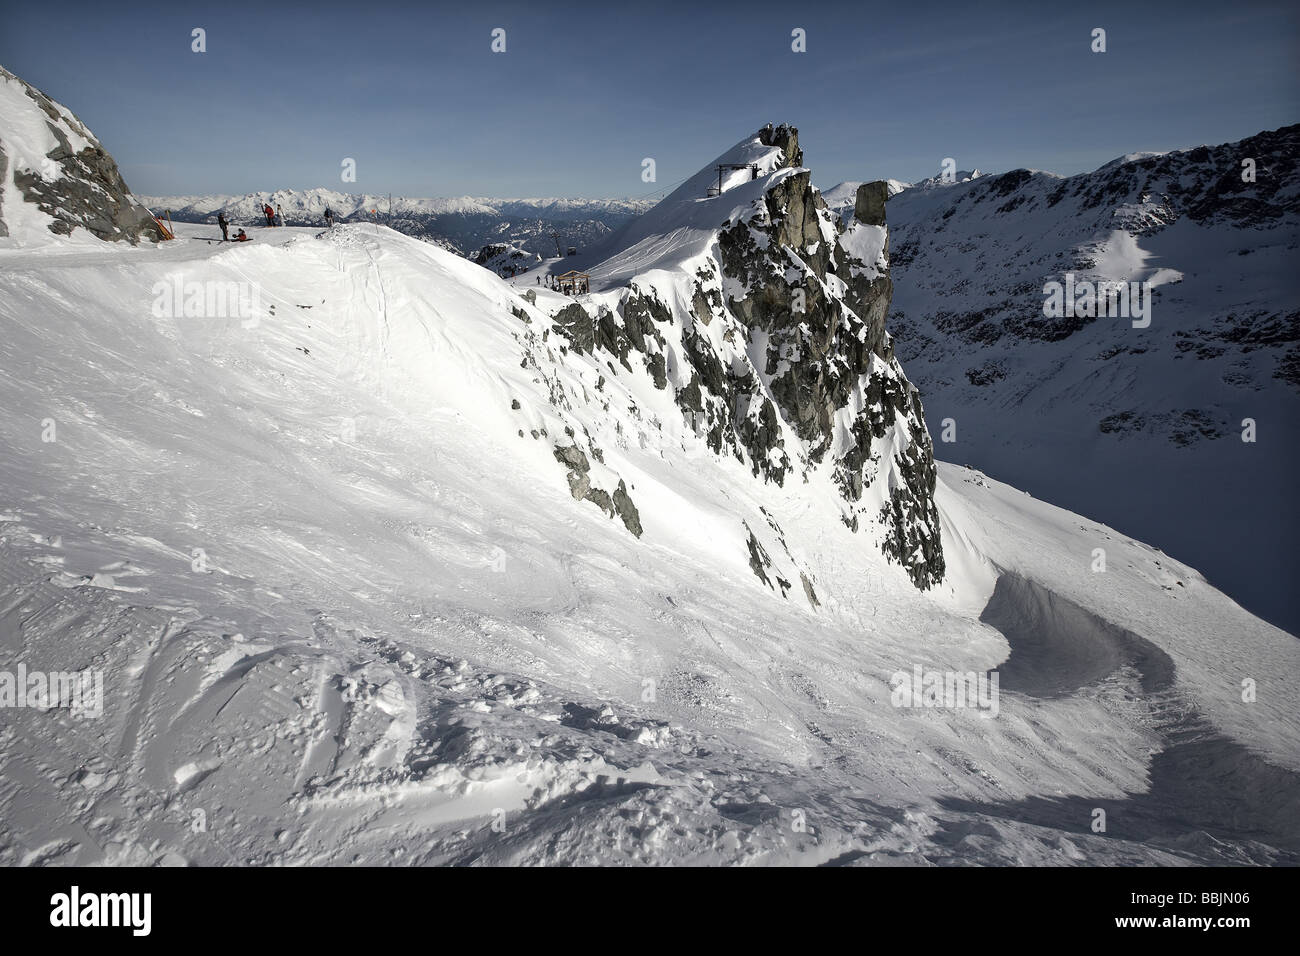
column 49, row 159
column 505, row 259
column 769, row 333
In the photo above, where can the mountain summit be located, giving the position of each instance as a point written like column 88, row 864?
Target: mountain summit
column 762, row 316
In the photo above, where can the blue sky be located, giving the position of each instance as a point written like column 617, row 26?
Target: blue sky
column 413, row 92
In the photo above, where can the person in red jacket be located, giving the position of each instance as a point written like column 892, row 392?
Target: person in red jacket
column 270, row 214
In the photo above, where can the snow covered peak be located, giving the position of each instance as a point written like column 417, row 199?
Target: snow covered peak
column 742, row 309
column 463, row 224
column 685, row 221
column 301, row 206
column 55, row 177
column 958, row 177
column 844, row 193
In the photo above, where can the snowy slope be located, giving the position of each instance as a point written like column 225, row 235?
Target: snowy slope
column 405, row 629
column 1139, row 427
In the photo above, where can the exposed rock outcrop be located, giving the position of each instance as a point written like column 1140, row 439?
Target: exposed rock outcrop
column 76, row 182
column 774, row 346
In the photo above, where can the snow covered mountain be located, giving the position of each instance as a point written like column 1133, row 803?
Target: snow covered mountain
column 1135, row 426
column 53, row 172
column 375, row 557
column 762, row 323
column 463, row 224
column 307, row 207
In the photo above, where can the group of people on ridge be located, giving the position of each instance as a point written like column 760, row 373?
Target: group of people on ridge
column 224, row 223
column 274, row 217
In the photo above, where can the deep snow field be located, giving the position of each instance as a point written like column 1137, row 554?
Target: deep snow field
column 348, row 612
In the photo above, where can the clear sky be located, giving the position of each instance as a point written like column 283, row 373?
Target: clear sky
column 413, row 92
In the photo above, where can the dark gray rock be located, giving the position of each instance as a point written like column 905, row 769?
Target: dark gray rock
column 88, row 191
column 809, row 590
column 576, row 325
column 626, row 510
column 617, row 505
column 869, row 203
column 786, row 138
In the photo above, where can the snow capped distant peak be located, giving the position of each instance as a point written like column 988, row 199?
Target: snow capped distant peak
column 956, row 178
column 462, row 224
column 722, row 191
column 314, row 201
column 844, row 195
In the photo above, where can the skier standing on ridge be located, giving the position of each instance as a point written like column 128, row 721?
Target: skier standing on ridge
column 224, row 223
column 329, row 217
column 270, row 215
column 279, row 215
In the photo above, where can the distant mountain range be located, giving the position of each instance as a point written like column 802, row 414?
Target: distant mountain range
column 1137, row 427
column 464, row 225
